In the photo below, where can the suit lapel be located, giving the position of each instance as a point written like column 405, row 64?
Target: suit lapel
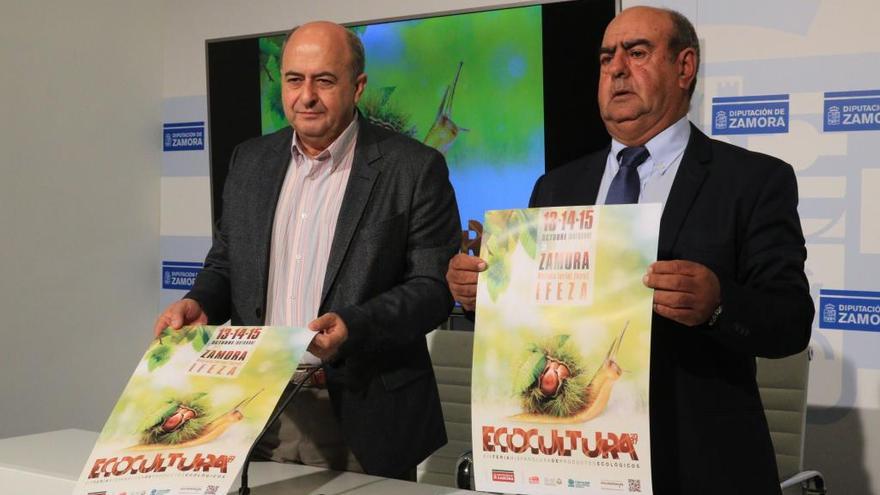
column 575, row 184
column 357, row 193
column 271, row 182
column 688, row 181
column 593, row 177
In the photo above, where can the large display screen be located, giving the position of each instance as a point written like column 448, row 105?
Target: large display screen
column 504, row 94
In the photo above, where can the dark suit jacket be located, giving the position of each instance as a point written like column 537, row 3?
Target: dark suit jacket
column 398, row 226
column 734, row 211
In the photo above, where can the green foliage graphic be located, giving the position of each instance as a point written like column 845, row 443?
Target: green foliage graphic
column 498, row 95
column 271, row 109
column 159, row 355
column 162, row 349
column 529, row 371
column 504, row 230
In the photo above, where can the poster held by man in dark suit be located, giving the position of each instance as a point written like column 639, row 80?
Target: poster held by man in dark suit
column 562, row 350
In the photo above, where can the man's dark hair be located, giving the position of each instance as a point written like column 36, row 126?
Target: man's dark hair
column 683, row 36
column 355, row 47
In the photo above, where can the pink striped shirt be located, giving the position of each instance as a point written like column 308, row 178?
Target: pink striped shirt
column 305, row 221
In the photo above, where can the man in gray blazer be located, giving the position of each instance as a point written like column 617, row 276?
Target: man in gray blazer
column 345, row 227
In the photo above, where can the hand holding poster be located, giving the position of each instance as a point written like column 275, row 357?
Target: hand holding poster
column 562, row 350
column 195, row 404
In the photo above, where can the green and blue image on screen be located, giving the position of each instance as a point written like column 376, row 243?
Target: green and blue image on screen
column 469, row 85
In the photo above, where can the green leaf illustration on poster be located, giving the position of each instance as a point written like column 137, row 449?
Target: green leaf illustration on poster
column 158, row 356
column 528, row 233
column 529, row 371
column 201, row 336
column 505, row 230
column 498, row 275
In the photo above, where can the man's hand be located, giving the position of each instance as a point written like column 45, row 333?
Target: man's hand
column 684, row 291
column 332, row 333
column 178, row 314
column 462, row 279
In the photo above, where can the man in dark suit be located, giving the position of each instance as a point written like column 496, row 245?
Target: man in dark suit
column 729, row 284
column 345, row 227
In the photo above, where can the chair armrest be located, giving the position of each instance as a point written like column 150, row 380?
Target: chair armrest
column 464, row 471
column 802, row 477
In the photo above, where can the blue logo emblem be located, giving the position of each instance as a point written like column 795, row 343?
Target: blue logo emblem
column 179, row 274
column 852, row 111
column 183, row 136
column 849, row 310
column 750, row 114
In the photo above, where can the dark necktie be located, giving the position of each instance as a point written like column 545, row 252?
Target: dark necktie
column 626, row 185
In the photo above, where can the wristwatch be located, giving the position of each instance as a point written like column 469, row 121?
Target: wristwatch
column 715, row 314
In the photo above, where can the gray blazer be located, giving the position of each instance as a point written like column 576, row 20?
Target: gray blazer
column 398, row 227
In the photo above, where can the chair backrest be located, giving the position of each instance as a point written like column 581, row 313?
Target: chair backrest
column 452, row 354
column 783, row 387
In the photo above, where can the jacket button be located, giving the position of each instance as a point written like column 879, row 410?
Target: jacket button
column 259, row 312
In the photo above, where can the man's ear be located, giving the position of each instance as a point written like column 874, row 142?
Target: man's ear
column 687, row 67
column 360, row 83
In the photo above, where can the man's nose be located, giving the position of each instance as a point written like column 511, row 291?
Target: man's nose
column 618, row 66
column 308, row 95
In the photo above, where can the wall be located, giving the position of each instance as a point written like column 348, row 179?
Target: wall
column 80, row 94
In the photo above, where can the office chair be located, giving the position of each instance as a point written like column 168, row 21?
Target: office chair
column 451, row 354
column 783, row 387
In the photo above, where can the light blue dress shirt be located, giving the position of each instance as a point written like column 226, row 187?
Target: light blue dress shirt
column 658, row 171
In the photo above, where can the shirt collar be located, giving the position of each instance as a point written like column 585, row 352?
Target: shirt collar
column 665, row 147
column 334, row 153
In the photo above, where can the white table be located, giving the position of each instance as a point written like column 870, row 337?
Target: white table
column 50, row 463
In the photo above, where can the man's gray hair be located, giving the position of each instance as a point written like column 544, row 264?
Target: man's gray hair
column 355, row 47
column 683, row 36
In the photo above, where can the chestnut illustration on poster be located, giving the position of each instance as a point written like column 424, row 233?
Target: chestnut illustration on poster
column 555, row 385
column 185, row 422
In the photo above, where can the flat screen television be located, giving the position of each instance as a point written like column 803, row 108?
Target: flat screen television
column 505, row 94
